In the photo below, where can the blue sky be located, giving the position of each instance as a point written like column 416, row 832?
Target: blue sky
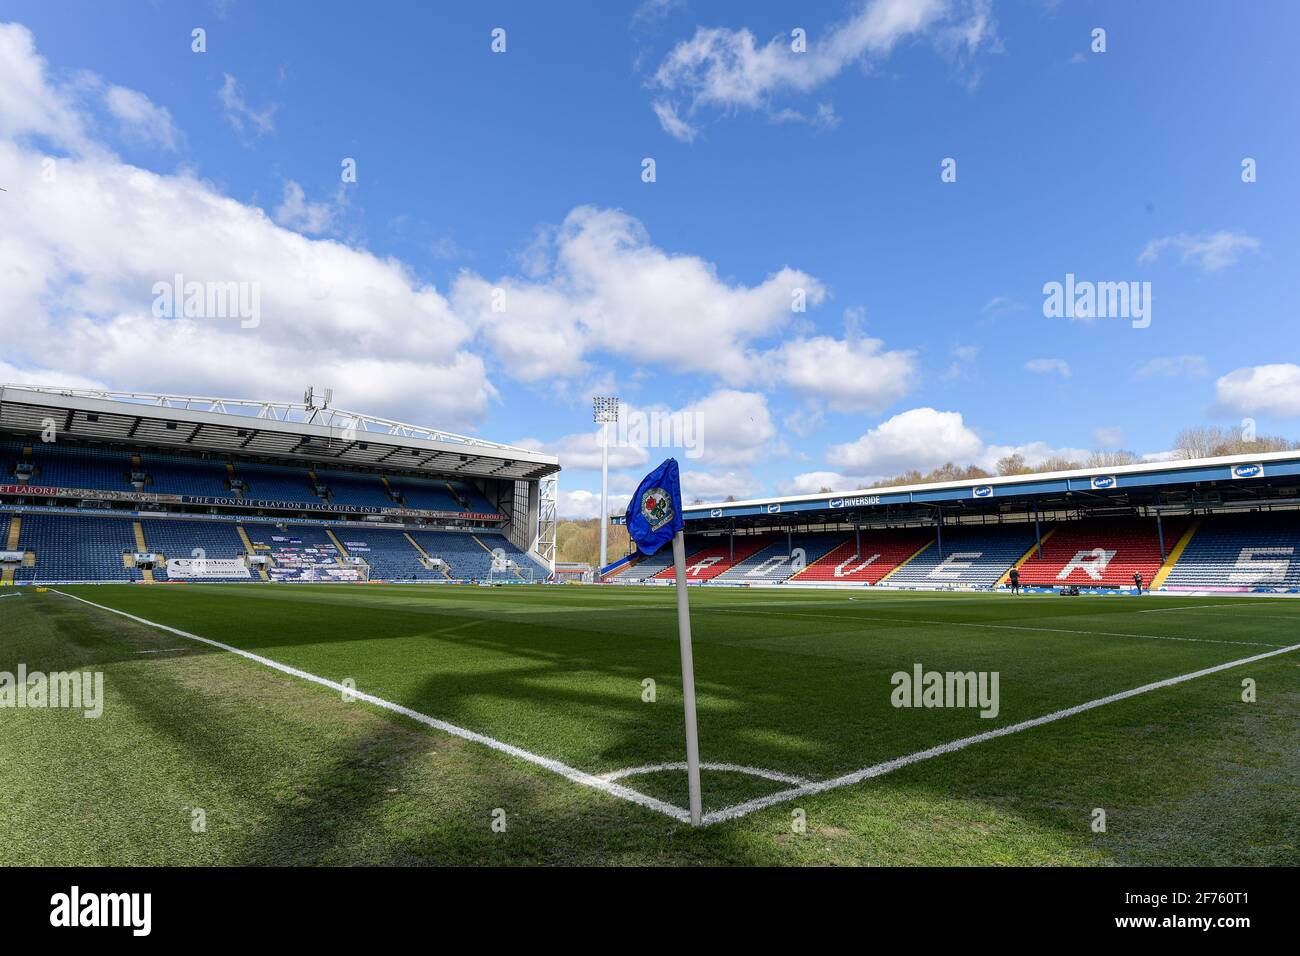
column 515, row 179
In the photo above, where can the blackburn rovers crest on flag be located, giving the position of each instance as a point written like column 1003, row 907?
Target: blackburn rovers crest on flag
column 654, row 514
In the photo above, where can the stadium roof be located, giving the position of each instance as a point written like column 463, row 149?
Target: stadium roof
column 272, row 429
column 1246, row 474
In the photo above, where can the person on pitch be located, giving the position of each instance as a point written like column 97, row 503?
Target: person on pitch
column 1137, row 580
column 1015, row 581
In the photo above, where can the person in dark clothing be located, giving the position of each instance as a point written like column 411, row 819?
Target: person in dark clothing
column 1137, row 580
column 1015, row 581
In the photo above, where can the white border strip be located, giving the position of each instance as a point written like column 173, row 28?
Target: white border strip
column 555, row 766
column 880, row 769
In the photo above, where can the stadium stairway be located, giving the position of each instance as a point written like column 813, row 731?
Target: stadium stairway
column 1174, row 555
column 248, row 549
column 141, row 548
column 881, row 553
column 425, row 554
column 11, row 544
column 1102, row 552
column 1033, row 549
column 971, row 556
column 710, row 561
column 776, row 563
column 1240, row 552
column 391, row 554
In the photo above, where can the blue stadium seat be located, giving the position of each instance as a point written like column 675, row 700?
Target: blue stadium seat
column 180, row 539
column 1241, row 552
column 972, row 556
column 76, row 548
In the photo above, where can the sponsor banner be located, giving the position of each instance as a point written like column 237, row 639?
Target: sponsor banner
column 145, row 557
column 11, row 555
column 198, row 568
column 982, row 491
column 263, row 503
column 858, row 502
column 1255, row 470
column 48, row 491
column 1103, row 482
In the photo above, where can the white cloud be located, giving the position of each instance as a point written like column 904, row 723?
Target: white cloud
column 728, row 69
column 295, row 212
column 700, row 485
column 579, row 504
column 30, row 103
column 1209, row 252
column 140, row 118
column 735, row 428
column 1261, row 390
column 1173, row 366
column 853, row 374
column 242, row 117
column 921, row 438
column 581, row 451
column 812, row 482
column 606, row 288
column 1049, row 366
column 673, row 124
column 82, row 255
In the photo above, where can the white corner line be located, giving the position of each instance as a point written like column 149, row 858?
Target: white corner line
column 880, row 769
column 555, row 766
column 774, row 775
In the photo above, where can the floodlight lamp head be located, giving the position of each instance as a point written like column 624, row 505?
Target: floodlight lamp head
column 605, row 408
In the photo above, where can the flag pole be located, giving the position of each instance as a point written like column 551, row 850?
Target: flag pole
column 688, row 678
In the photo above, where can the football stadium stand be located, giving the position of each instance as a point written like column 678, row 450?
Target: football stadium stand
column 469, row 556
column 1239, row 552
column 782, row 559
column 708, row 562
column 155, row 488
column 71, row 547
column 270, row 483
column 866, row 558
column 194, row 541
column 184, row 476
column 969, row 557
column 1103, row 552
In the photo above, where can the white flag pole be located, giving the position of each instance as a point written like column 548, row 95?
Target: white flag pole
column 688, row 678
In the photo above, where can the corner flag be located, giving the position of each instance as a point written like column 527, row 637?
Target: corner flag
column 654, row 517
column 654, row 514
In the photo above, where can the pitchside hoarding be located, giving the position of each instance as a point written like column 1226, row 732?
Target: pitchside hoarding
column 45, row 491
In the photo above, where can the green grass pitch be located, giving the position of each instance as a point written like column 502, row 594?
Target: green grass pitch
column 206, row 757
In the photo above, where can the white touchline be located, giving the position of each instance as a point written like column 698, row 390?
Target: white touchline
column 1190, row 607
column 606, row 782
column 880, row 769
column 555, row 766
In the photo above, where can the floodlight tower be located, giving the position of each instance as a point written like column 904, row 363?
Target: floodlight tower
column 605, row 410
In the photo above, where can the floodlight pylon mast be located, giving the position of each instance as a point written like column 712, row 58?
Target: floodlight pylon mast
column 605, row 410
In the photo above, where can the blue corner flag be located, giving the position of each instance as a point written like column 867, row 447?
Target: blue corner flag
column 654, row 514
